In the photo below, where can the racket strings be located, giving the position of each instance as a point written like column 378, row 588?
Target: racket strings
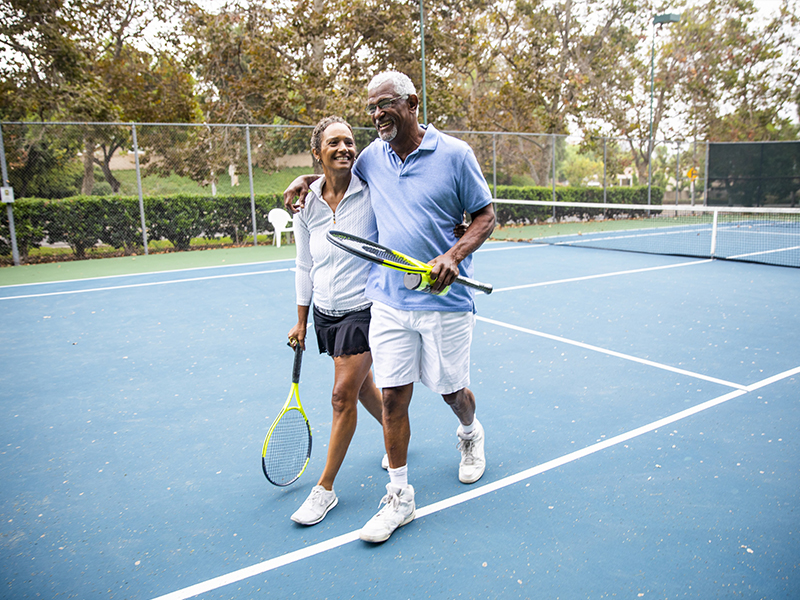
column 387, row 255
column 288, row 448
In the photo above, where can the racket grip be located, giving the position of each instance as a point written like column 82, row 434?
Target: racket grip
column 298, row 360
column 486, row 288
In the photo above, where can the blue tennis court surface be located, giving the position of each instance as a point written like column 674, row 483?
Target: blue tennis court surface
column 641, row 415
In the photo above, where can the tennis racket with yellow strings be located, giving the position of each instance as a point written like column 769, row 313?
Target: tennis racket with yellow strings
column 287, row 447
column 392, row 259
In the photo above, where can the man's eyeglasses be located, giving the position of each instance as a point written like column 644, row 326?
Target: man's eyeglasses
column 384, row 104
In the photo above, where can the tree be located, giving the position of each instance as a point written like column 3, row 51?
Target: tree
column 741, row 77
column 73, row 60
column 718, row 75
column 146, row 89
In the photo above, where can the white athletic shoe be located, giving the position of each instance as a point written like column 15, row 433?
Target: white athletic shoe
column 316, row 506
column 385, row 462
column 399, row 511
column 473, row 461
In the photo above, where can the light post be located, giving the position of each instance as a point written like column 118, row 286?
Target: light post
column 657, row 20
column 422, row 40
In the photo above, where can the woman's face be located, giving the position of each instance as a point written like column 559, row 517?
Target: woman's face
column 337, row 150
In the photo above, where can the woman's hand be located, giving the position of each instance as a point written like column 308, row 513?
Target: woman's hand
column 297, row 335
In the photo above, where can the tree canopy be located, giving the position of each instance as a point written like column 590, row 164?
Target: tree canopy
column 544, row 66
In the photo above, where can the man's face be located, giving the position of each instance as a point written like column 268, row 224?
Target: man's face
column 394, row 118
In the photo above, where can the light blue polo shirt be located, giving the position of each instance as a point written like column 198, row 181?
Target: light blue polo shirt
column 417, row 203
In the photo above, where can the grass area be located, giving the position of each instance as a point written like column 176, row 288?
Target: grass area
column 47, row 254
column 263, row 183
column 154, row 262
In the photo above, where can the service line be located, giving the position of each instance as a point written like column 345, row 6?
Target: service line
column 629, row 357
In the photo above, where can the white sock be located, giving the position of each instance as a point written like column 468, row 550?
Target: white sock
column 468, row 429
column 399, row 476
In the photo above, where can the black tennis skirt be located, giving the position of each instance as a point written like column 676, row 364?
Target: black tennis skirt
column 342, row 336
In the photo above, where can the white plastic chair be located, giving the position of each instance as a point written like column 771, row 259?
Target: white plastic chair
column 279, row 219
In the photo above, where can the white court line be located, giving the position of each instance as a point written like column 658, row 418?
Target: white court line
column 143, row 273
column 137, row 285
column 298, row 555
column 629, row 357
column 587, row 277
column 588, row 239
column 764, row 252
column 513, row 246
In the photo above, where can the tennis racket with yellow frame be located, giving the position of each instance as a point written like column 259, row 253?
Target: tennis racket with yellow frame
column 392, row 259
column 287, row 447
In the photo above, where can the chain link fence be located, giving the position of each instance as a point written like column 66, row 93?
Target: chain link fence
column 85, row 190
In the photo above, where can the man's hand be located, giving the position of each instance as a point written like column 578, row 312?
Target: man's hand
column 445, row 267
column 443, row 273
column 298, row 190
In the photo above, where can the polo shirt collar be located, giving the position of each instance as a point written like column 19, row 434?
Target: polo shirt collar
column 428, row 143
column 430, row 139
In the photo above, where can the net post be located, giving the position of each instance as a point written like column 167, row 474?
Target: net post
column 714, row 234
column 139, row 186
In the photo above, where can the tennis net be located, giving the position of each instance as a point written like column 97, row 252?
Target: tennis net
column 761, row 235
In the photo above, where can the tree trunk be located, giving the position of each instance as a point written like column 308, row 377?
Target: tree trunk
column 88, row 167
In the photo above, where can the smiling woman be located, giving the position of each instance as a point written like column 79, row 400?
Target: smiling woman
column 335, row 149
column 336, row 281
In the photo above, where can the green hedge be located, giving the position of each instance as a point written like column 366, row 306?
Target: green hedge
column 519, row 214
column 83, row 221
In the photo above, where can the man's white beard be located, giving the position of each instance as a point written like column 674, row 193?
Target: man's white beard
column 388, row 136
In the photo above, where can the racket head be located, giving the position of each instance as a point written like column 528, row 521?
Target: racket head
column 374, row 252
column 287, row 448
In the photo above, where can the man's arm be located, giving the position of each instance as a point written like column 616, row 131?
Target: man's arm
column 445, row 267
column 298, row 189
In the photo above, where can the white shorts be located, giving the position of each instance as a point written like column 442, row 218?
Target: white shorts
column 428, row 346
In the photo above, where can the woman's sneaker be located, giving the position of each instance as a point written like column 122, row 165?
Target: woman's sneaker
column 316, row 506
column 473, row 461
column 399, row 511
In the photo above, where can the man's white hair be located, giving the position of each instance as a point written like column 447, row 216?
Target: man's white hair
column 401, row 82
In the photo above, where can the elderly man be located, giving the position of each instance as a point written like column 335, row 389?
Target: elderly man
column 421, row 183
